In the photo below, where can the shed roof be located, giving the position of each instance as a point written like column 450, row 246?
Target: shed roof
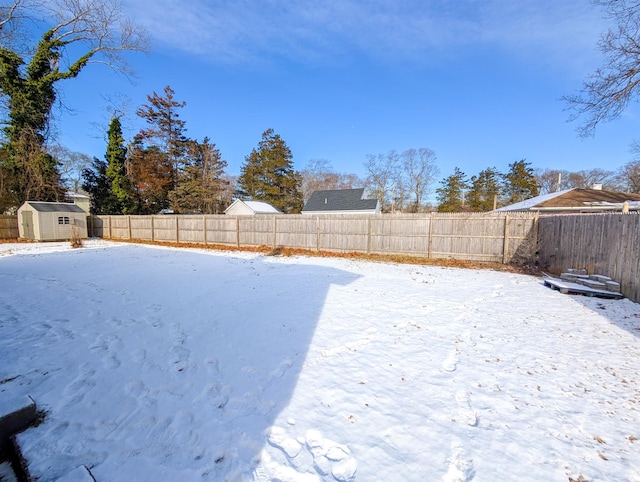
column 260, row 207
column 257, row 207
column 50, row 207
column 340, row 200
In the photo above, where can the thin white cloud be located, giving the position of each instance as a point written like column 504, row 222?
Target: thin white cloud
column 242, row 31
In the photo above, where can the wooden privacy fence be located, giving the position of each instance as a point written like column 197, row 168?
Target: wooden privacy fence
column 607, row 244
column 9, row 227
column 476, row 237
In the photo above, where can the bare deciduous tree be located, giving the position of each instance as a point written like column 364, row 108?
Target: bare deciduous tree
column 608, row 91
column 419, row 171
column 628, row 177
column 382, row 171
column 319, row 175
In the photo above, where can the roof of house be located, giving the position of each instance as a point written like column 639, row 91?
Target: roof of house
column 340, row 200
column 50, row 207
column 574, row 199
column 258, row 207
column 77, row 195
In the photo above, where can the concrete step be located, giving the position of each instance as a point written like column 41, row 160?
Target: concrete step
column 16, row 415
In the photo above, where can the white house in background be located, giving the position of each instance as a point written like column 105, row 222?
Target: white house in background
column 341, row 201
column 48, row 221
column 80, row 200
column 250, row 208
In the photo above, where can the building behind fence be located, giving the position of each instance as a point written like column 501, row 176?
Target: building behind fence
column 477, row 237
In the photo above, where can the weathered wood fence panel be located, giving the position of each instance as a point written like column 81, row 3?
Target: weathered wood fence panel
column 343, row 233
column 607, row 244
column 9, row 227
column 477, row 237
column 401, row 235
column 297, row 231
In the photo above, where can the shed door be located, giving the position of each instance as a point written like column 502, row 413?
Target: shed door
column 27, row 224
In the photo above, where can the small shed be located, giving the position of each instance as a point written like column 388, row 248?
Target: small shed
column 250, row 208
column 49, row 221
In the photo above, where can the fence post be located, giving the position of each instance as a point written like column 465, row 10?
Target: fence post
column 204, row 228
column 109, row 219
column 238, row 231
column 505, row 251
column 275, row 231
column 317, row 233
column 129, row 225
column 153, row 228
column 177, row 229
column 430, row 241
column 369, row 235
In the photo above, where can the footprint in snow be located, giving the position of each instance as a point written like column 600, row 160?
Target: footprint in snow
column 328, row 460
column 281, row 369
column 465, row 414
column 460, row 465
column 180, row 358
column 212, row 365
column 80, row 385
column 108, row 346
column 451, row 362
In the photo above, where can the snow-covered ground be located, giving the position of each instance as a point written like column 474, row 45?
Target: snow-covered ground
column 160, row 364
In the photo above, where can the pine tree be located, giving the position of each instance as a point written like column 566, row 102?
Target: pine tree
column 98, row 185
column 116, row 157
column 165, row 131
column 520, row 182
column 201, row 186
column 268, row 175
column 452, row 191
column 150, row 175
column 485, row 190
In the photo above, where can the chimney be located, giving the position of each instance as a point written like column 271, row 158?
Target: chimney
column 597, row 186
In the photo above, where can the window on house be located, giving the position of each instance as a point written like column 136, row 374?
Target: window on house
column 63, row 219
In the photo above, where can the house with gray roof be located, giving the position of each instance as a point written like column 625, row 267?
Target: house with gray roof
column 341, row 201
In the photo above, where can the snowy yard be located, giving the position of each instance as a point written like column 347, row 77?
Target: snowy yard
column 160, row 364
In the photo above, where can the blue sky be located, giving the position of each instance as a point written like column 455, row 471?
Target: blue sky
column 477, row 81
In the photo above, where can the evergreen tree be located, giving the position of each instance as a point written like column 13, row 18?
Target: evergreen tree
column 201, row 186
column 150, row 176
column 165, row 131
column 116, row 157
column 520, row 182
column 98, row 185
column 485, row 190
column 451, row 192
column 268, row 175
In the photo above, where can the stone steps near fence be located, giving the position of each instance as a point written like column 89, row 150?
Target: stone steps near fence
column 579, row 282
